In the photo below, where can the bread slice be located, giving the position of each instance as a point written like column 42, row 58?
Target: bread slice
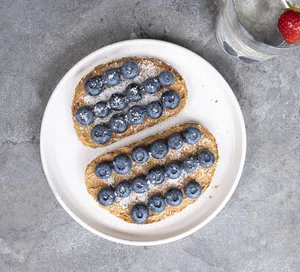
column 148, row 67
column 121, row 208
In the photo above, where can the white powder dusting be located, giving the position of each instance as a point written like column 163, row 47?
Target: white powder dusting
column 119, row 123
column 99, row 121
column 132, row 199
column 134, row 90
column 99, row 109
column 84, row 116
column 187, row 147
column 110, row 181
column 112, row 75
column 172, row 183
column 155, row 110
column 205, row 141
column 117, row 101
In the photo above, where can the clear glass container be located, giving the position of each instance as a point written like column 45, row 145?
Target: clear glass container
column 247, row 29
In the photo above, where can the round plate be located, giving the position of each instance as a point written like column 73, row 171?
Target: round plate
column 211, row 103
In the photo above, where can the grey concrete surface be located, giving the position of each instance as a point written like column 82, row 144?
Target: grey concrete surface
column 258, row 230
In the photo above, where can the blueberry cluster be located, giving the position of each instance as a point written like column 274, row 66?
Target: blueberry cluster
column 133, row 93
column 111, row 77
column 119, row 122
column 129, row 70
column 136, row 114
column 122, row 164
column 117, row 102
column 158, row 149
column 174, row 169
column 156, row 203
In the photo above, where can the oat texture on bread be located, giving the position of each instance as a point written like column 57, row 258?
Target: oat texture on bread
column 121, row 207
column 148, row 68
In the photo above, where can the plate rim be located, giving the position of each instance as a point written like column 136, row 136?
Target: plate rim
column 163, row 240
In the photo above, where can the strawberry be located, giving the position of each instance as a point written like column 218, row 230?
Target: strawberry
column 289, row 24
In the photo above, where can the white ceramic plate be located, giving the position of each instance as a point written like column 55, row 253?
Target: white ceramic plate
column 211, row 102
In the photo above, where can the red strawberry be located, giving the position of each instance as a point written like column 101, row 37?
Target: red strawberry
column 289, row 24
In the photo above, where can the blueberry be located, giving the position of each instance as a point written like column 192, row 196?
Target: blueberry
column 140, row 154
column 121, row 164
column 123, row 189
column 139, row 184
column 101, row 109
column 118, row 123
column 166, row 78
column 117, row 102
column 154, row 110
column 85, row 116
column 129, row 69
column 192, row 135
column 170, row 100
column 139, row 213
column 206, row 158
column 134, row 92
column 103, row 170
column 111, row 77
column 159, row 149
column 101, row 134
column 192, row 189
column 106, row 196
column 151, row 85
column 94, row 86
column 156, row 175
column 174, row 197
column 156, row 203
column 189, row 164
column 173, row 170
column 175, row 141
column 136, row 115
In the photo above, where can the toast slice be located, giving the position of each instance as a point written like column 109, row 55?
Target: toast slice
column 148, row 68
column 121, row 207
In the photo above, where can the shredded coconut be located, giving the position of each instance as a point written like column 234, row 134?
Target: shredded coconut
column 84, row 116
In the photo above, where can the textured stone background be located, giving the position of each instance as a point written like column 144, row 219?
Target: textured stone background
column 258, row 230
